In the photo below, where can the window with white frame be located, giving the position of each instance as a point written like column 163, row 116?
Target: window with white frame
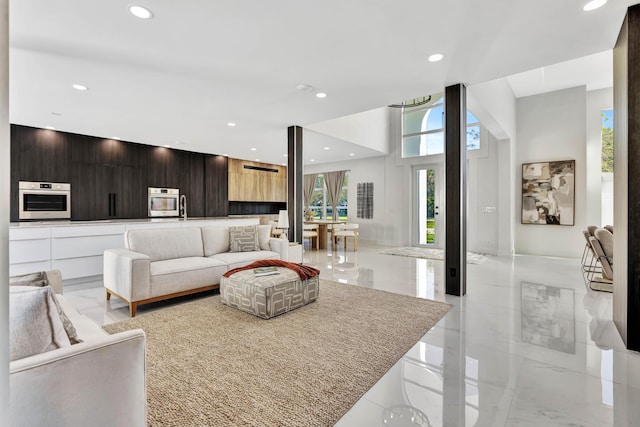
column 423, row 129
column 320, row 204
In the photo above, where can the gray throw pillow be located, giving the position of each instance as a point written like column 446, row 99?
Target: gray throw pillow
column 243, row 238
column 34, row 324
column 40, row 280
column 31, row 279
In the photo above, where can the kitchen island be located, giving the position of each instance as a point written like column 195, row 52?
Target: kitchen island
column 76, row 247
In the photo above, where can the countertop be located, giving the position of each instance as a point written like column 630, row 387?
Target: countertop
column 69, row 223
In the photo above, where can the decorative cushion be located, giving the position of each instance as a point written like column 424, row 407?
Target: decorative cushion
column 40, row 280
column 34, row 323
column 264, row 234
column 31, row 279
column 243, row 238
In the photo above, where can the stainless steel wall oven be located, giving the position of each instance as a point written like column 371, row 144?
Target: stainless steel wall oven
column 44, row 200
column 164, row 202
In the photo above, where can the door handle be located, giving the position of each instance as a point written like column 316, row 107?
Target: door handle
column 112, row 204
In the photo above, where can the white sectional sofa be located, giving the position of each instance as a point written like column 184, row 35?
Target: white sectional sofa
column 159, row 264
column 100, row 380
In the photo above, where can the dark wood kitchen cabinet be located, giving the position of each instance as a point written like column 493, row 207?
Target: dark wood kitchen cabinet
column 216, row 172
column 40, row 155
column 107, row 179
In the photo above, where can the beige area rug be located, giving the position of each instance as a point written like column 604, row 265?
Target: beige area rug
column 212, row 365
column 430, row 253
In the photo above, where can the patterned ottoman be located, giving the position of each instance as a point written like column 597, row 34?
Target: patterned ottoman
column 268, row 296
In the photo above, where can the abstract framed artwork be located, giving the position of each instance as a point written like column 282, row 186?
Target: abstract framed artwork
column 548, row 192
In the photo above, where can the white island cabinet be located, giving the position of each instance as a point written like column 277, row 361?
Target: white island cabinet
column 77, row 248
column 29, row 250
column 77, row 251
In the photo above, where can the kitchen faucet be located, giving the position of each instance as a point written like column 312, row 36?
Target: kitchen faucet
column 183, row 207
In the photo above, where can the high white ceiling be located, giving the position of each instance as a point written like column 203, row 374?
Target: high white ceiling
column 197, row 65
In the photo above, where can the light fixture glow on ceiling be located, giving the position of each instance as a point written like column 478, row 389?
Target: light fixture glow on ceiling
column 231, row 124
column 140, row 12
column 79, row 87
column 436, row 57
column 327, row 148
column 352, row 154
column 593, row 5
column 312, row 160
column 285, row 155
column 304, row 87
column 321, row 95
column 253, row 149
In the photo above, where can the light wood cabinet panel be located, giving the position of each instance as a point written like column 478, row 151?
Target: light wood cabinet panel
column 257, row 182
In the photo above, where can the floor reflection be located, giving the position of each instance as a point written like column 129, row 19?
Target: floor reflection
column 548, row 318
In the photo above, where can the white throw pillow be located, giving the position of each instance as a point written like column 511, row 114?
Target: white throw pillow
column 34, row 323
column 264, row 234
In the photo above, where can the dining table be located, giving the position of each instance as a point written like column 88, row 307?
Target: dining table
column 323, row 230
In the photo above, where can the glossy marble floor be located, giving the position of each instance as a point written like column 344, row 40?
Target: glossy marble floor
column 528, row 345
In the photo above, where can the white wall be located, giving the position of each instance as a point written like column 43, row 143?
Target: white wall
column 494, row 104
column 552, row 126
column 369, row 129
column 483, row 197
column 597, row 100
column 4, row 213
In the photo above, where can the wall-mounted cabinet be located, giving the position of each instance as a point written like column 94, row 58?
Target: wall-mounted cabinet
column 109, row 178
column 257, row 182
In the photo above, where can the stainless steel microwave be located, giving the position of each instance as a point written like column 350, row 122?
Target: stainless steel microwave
column 44, row 200
column 164, row 202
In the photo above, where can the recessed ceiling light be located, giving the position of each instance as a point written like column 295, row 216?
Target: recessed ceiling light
column 231, row 124
column 253, row 149
column 140, row 12
column 50, row 127
column 436, row 57
column 79, row 87
column 321, row 95
column 593, row 5
column 327, row 148
column 352, row 154
column 312, row 160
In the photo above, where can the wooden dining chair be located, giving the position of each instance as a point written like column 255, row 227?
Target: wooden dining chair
column 310, row 231
column 346, row 230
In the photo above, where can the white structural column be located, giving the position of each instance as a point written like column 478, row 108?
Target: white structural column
column 5, row 163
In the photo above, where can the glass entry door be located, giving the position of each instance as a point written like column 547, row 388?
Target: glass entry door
column 429, row 209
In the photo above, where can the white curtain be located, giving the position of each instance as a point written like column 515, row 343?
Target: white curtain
column 334, row 182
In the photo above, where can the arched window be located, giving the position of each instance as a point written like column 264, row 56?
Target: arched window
column 423, row 129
